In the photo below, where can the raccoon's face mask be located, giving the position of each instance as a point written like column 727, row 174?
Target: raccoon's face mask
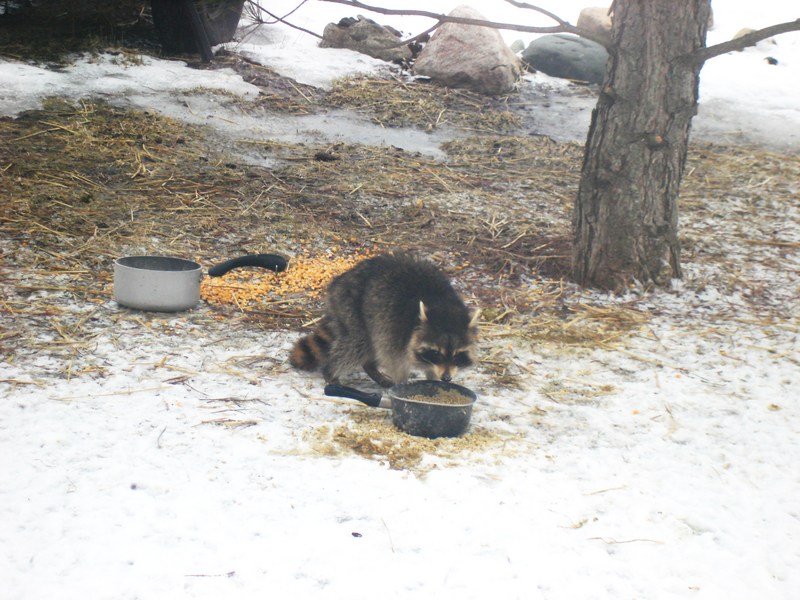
column 443, row 351
column 439, row 364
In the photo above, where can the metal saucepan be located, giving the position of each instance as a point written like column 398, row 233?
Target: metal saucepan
column 168, row 284
column 415, row 409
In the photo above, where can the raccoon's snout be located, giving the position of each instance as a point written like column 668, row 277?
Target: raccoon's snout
column 434, row 373
column 442, row 373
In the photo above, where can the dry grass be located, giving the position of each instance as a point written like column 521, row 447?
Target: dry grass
column 88, row 182
column 746, row 243
column 370, row 433
column 392, row 102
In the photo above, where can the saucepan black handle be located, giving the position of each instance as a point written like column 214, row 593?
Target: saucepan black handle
column 343, row 391
column 273, row 262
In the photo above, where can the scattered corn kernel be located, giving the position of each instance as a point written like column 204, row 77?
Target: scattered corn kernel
column 307, row 276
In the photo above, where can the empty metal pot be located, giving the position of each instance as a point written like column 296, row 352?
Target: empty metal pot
column 168, row 284
column 160, row 283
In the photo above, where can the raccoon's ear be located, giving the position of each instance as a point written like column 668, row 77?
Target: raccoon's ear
column 422, row 316
column 474, row 316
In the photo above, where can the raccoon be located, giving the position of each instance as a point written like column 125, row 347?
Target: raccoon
column 388, row 315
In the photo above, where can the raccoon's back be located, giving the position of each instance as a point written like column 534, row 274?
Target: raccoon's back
column 382, row 296
column 391, row 279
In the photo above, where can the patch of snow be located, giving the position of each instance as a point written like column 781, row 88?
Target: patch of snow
column 308, row 64
column 108, row 76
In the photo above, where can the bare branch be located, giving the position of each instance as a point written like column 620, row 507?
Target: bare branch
column 421, row 36
column 562, row 27
column 257, row 8
column 538, row 9
column 703, row 54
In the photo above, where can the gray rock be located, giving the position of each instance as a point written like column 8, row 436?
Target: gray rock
column 517, row 46
column 597, row 20
column 743, row 32
column 366, row 36
column 567, row 56
column 469, row 56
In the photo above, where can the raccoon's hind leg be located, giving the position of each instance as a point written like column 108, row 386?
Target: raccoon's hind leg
column 371, row 368
column 329, row 377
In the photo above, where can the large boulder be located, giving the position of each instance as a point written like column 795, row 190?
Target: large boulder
column 596, row 19
column 567, row 56
column 368, row 37
column 469, row 56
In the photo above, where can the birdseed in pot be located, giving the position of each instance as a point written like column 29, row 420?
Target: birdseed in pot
column 442, row 397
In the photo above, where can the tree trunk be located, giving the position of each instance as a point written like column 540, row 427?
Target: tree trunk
column 625, row 222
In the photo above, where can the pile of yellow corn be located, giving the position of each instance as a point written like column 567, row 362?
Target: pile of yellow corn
column 307, row 276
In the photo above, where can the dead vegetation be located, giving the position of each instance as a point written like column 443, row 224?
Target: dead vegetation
column 370, row 433
column 89, row 182
column 392, row 102
column 746, row 243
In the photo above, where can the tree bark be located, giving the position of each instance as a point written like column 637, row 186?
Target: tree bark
column 625, row 223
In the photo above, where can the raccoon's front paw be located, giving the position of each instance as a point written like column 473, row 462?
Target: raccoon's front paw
column 382, row 380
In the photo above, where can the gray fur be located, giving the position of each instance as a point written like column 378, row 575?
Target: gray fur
column 376, row 322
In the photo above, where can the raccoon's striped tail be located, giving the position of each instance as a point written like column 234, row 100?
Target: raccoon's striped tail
column 310, row 352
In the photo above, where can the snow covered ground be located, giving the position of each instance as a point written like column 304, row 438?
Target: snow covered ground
column 679, row 481
column 169, row 459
